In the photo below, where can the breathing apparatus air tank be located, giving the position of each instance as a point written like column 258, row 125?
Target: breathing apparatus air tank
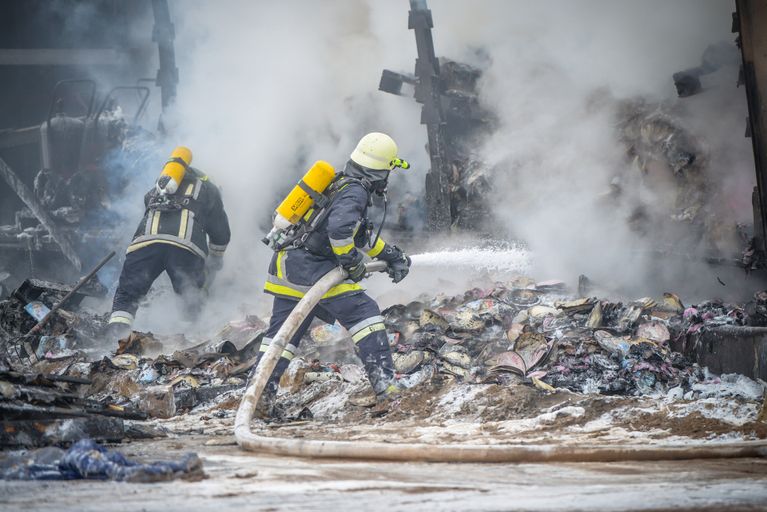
column 174, row 170
column 293, row 208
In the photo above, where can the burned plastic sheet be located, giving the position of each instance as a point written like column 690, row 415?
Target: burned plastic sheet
column 90, row 461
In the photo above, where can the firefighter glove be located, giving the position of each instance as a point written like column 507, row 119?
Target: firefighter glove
column 399, row 268
column 354, row 266
column 356, row 272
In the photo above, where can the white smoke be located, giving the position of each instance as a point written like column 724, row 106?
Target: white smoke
column 557, row 69
column 266, row 88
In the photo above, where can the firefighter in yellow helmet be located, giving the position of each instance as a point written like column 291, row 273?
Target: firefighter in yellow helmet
column 340, row 238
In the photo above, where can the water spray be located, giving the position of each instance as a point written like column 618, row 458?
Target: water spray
column 512, row 259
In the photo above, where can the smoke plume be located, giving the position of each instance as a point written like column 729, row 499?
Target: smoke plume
column 559, row 74
column 266, row 88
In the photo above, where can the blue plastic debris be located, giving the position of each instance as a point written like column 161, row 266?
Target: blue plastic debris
column 88, row 460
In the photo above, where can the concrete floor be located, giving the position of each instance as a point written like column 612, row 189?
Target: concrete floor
column 243, row 481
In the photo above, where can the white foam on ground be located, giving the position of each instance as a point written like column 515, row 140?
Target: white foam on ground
column 331, row 405
column 730, row 385
column 547, row 418
column 453, row 400
column 604, row 422
column 733, row 412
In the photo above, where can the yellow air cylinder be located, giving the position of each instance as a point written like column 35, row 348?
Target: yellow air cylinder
column 173, row 172
column 298, row 202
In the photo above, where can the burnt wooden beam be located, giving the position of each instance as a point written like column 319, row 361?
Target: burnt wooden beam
column 164, row 34
column 428, row 93
column 37, row 209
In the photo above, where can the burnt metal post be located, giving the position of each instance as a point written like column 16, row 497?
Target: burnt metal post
column 751, row 20
column 164, row 34
column 74, row 290
column 38, row 211
column 427, row 92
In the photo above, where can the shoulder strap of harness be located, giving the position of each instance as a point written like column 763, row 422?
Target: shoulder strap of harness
column 184, row 197
column 320, row 200
column 321, row 211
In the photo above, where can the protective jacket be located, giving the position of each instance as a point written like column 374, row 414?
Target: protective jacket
column 335, row 241
column 193, row 218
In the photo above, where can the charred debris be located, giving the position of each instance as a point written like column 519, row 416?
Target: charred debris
column 63, row 384
column 455, row 121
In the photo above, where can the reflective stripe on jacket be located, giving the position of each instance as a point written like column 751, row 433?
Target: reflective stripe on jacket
column 193, row 218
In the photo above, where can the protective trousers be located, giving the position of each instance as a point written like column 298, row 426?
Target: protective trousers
column 359, row 314
column 142, row 266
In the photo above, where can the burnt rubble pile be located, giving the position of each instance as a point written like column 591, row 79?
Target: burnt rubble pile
column 41, row 409
column 167, row 385
column 63, row 393
column 138, row 376
column 65, row 331
column 534, row 333
column 519, row 333
column 44, row 375
column 537, row 334
column 57, row 386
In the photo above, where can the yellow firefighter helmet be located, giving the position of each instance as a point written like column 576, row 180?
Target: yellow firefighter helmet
column 375, row 151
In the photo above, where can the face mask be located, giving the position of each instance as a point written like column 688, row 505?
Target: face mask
column 378, row 179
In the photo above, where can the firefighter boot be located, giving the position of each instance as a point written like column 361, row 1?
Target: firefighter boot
column 116, row 331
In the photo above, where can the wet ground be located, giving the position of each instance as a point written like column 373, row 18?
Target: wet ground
column 238, row 480
column 494, row 414
column 487, row 414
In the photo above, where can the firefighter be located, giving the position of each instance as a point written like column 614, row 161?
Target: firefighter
column 184, row 232
column 340, row 239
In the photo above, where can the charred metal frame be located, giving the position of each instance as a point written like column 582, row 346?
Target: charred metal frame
column 46, row 134
column 142, row 93
column 427, row 85
column 164, row 34
column 453, row 117
column 11, row 138
column 60, row 238
column 427, row 92
column 751, row 19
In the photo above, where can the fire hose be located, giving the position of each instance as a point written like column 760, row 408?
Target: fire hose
column 410, row 452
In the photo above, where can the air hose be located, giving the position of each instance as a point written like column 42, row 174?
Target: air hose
column 410, row 452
